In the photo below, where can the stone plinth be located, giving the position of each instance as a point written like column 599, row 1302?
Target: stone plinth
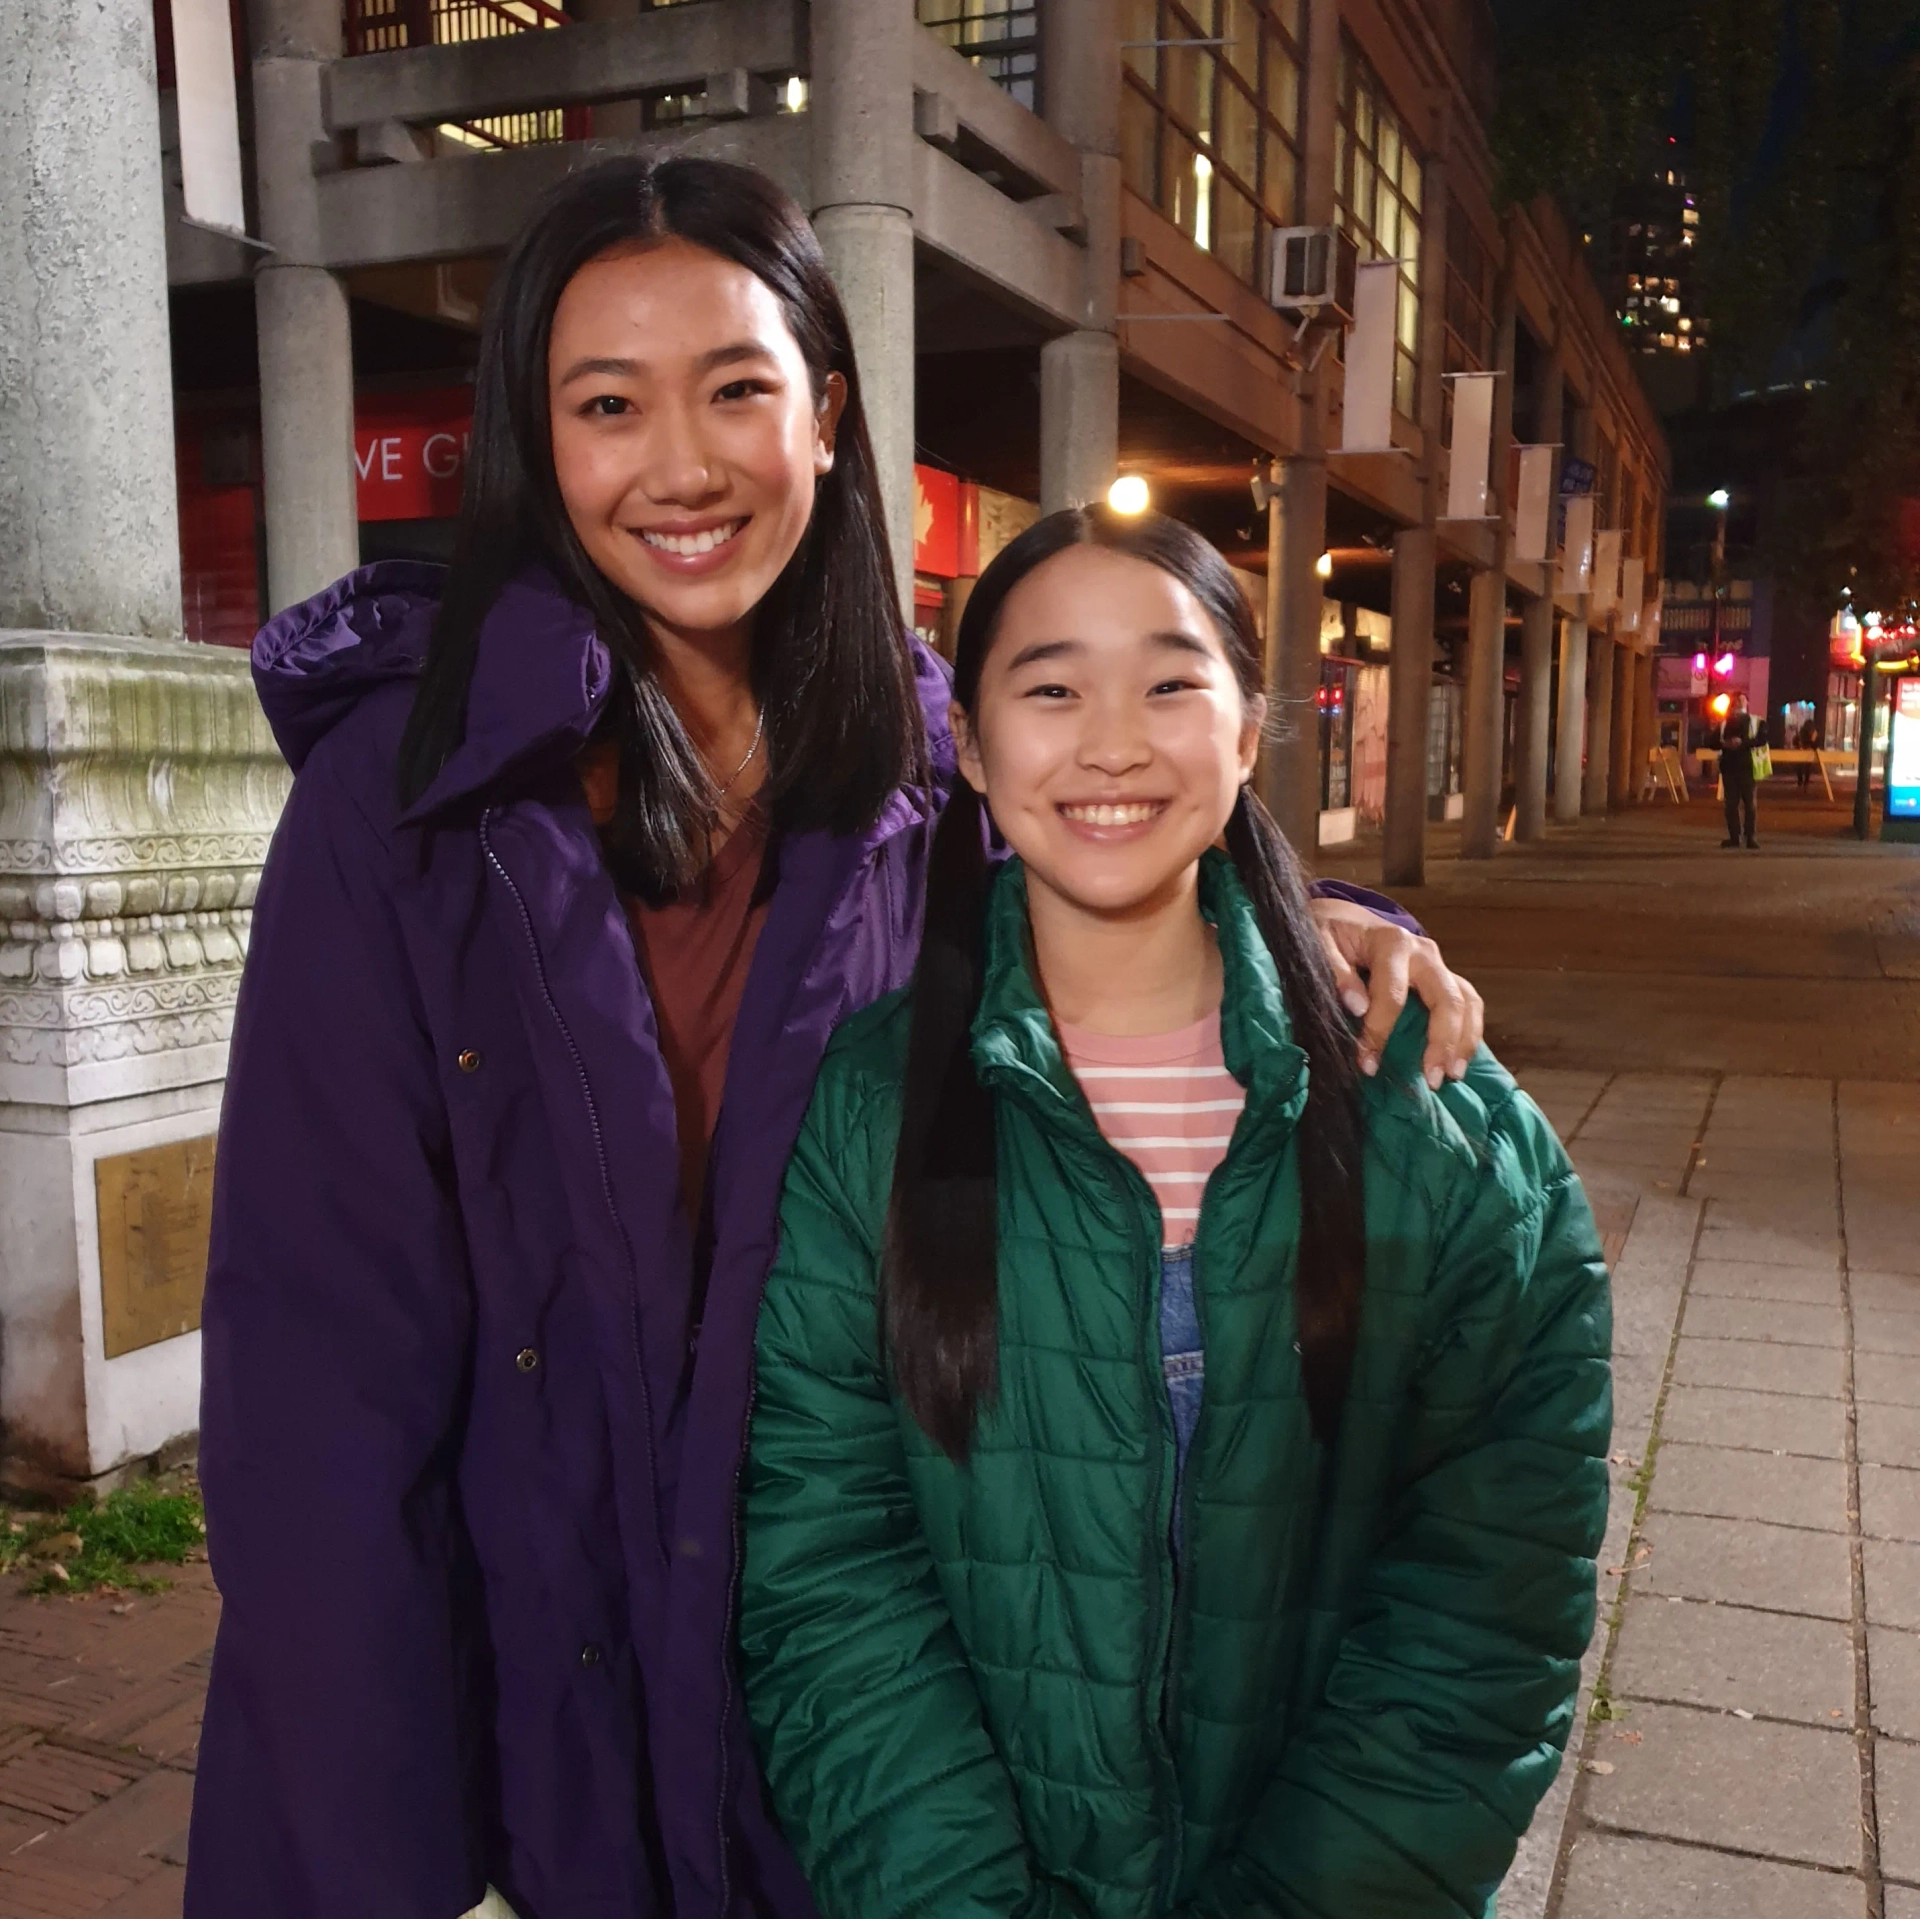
column 139, row 786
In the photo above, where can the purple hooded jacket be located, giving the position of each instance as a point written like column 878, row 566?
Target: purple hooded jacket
column 470, row 1465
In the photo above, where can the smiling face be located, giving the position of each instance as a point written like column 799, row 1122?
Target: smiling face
column 687, row 438
column 1109, row 736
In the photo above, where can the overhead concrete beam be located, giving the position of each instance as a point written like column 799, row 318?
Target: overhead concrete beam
column 977, row 228
column 476, row 203
column 569, row 66
column 993, row 117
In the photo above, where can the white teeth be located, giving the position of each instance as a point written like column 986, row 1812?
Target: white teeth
column 688, row 544
column 1136, row 814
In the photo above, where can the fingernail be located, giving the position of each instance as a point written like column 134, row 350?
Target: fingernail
column 1460, row 1068
column 1434, row 1077
column 1354, row 1001
column 1369, row 1064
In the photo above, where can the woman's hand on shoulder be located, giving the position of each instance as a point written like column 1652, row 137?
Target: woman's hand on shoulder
column 1376, row 964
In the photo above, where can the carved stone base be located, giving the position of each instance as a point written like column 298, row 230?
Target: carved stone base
column 139, row 786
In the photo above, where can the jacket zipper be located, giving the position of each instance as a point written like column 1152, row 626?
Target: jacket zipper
column 599, row 1148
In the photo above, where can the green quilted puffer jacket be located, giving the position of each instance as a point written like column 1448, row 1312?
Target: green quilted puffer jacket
column 987, row 1689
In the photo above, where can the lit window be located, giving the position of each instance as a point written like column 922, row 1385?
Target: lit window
column 1690, row 218
column 1685, row 346
column 1686, row 326
column 1667, row 339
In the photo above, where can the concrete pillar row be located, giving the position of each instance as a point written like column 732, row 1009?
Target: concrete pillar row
column 1599, row 767
column 1571, row 722
column 861, row 122
column 1409, row 703
column 306, row 343
column 1534, row 728
column 1646, row 719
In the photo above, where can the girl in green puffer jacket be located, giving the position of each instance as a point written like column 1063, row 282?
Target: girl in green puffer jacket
column 1178, row 1458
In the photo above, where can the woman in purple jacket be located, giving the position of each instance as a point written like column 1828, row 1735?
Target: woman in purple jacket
column 592, row 840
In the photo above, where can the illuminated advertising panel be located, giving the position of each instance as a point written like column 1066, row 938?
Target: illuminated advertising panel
column 1903, row 752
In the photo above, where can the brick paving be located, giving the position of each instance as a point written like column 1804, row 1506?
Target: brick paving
column 1731, row 1046
column 99, row 1722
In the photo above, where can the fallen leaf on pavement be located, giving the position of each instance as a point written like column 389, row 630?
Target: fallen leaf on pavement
column 1740, row 1712
column 1602, row 1766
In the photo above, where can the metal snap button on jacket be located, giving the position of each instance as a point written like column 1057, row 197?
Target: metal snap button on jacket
column 589, row 1655
column 526, row 1359
column 469, row 1061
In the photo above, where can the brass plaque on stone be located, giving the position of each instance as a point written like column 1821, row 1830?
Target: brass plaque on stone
column 156, row 1216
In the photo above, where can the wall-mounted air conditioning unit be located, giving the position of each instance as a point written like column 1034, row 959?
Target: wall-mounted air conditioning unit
column 1311, row 272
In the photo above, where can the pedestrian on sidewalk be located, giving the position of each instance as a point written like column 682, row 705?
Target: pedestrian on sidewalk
column 1177, row 1461
column 1808, row 740
column 1740, row 734
column 591, row 840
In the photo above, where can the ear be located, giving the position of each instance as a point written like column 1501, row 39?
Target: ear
column 833, row 403
column 966, row 746
column 1252, row 725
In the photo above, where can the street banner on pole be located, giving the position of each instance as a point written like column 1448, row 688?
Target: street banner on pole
column 1576, row 561
column 1633, row 592
column 1534, row 502
column 1367, row 424
column 209, row 116
column 1472, row 446
column 1606, row 571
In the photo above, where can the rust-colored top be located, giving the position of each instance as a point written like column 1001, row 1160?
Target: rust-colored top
column 694, row 954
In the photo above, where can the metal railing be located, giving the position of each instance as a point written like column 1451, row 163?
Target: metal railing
column 384, row 26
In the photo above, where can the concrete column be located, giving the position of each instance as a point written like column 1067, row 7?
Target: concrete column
column 1485, row 699
column 1571, row 725
column 89, row 538
column 1646, row 719
column 1599, row 767
column 1289, row 775
column 1621, row 783
column 1289, row 772
column 1483, row 715
column 1080, row 371
column 1403, row 852
column 138, row 780
column 306, row 347
column 1534, row 728
column 861, row 109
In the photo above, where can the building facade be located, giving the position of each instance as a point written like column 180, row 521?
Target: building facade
column 1053, row 222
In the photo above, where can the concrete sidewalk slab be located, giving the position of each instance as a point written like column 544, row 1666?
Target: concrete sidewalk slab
column 1728, row 1483
column 1890, row 1502
column 1778, row 1321
column 1742, row 1562
column 1889, row 1435
column 1765, row 1422
column 1752, row 1785
column 1760, row 1366
column 1730, row 1279
column 1897, row 1791
column 1724, row 1657
column 1610, row 1877
column 1893, row 1582
column 1893, row 1664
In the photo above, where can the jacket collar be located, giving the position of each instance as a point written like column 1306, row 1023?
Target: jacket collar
column 1015, row 1044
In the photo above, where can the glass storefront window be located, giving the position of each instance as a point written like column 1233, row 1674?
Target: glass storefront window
column 1209, row 135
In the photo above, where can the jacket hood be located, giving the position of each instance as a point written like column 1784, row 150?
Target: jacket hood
column 540, row 676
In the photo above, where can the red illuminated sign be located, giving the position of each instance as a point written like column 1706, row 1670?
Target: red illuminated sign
column 410, row 453
column 946, row 525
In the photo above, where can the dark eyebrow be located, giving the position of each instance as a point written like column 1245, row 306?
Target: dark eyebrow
column 624, row 369
column 1043, row 650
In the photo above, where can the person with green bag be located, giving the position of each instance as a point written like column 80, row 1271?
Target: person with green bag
column 1179, row 1454
column 1743, row 749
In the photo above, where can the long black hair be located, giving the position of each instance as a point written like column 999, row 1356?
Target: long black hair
column 939, row 1285
column 830, row 666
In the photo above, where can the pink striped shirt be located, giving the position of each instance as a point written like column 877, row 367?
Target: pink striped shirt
column 1168, row 1102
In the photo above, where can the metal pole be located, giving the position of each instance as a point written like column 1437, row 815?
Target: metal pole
column 1863, row 788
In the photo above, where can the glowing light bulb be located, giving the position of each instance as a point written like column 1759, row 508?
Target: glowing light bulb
column 1720, row 706
column 1128, row 494
column 1720, row 498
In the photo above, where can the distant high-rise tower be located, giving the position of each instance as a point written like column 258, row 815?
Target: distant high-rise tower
column 1652, row 272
